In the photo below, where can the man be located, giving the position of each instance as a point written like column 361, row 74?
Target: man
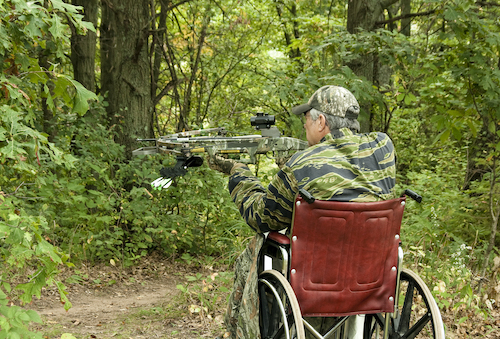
column 339, row 165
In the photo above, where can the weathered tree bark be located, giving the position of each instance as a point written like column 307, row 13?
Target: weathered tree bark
column 125, row 69
column 83, row 47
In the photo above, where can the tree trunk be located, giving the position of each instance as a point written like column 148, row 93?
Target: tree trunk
column 195, row 58
column 83, row 47
column 159, row 28
column 363, row 15
column 293, row 33
column 158, row 41
column 125, row 69
column 405, row 23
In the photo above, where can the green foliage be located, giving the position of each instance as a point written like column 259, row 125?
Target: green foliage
column 29, row 260
column 444, row 91
column 30, row 29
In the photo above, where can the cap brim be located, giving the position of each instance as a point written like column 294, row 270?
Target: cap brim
column 301, row 109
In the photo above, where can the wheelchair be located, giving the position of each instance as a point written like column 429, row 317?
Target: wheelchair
column 338, row 274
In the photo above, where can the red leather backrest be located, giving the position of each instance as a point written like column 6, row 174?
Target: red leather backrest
column 344, row 256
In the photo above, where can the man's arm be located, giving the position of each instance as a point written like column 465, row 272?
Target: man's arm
column 264, row 209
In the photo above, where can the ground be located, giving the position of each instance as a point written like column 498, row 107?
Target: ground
column 140, row 302
column 160, row 298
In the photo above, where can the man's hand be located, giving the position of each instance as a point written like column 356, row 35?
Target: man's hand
column 281, row 161
column 221, row 164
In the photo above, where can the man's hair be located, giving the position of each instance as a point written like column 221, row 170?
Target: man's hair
column 335, row 122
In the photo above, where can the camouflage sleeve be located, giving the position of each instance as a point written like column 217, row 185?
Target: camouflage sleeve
column 264, row 209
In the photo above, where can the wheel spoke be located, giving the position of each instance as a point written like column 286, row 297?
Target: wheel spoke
column 275, row 317
column 370, row 326
column 404, row 321
column 372, row 323
column 264, row 310
column 380, row 320
column 418, row 327
column 279, row 333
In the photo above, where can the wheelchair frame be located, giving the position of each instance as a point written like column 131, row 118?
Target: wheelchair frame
column 286, row 319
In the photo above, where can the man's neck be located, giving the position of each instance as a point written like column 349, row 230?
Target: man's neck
column 340, row 132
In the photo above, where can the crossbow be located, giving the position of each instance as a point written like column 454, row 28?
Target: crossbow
column 186, row 145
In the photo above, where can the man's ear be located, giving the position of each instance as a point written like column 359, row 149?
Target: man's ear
column 322, row 123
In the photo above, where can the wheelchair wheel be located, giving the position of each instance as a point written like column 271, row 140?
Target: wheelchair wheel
column 280, row 315
column 417, row 314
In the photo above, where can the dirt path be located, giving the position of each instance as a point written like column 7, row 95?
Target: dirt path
column 96, row 311
column 109, row 303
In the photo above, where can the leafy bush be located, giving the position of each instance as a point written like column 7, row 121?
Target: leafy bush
column 102, row 208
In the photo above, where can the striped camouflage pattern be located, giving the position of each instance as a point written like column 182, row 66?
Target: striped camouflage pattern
column 344, row 167
column 349, row 167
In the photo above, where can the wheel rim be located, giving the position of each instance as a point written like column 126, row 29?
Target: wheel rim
column 279, row 310
column 417, row 314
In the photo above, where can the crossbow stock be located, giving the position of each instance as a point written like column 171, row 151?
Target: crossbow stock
column 185, row 145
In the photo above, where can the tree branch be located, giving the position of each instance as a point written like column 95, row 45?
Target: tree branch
column 386, row 3
column 406, row 16
column 171, row 7
column 168, row 87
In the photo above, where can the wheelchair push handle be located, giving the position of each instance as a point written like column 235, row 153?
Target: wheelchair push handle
column 414, row 195
column 308, row 197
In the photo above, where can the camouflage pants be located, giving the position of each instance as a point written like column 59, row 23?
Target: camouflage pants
column 242, row 316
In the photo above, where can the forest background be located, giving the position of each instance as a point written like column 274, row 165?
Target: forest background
column 81, row 81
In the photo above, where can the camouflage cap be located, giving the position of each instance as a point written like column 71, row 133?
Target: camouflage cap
column 333, row 100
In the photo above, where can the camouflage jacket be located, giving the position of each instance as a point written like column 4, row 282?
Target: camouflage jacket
column 343, row 167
